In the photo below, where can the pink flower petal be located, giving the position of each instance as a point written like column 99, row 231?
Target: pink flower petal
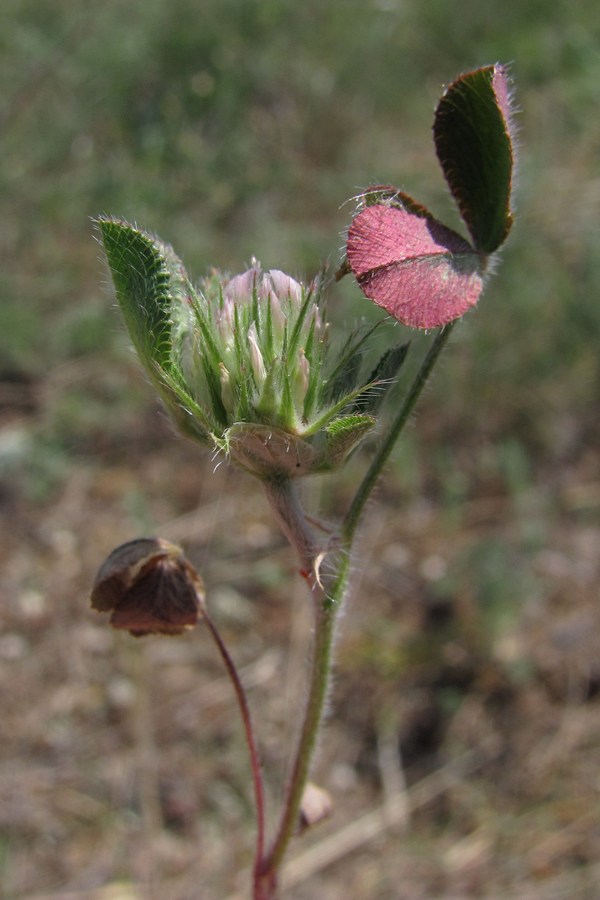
column 240, row 287
column 282, row 284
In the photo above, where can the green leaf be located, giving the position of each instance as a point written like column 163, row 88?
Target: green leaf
column 153, row 291
column 294, row 339
column 149, row 281
column 189, row 417
column 472, row 134
column 342, row 379
column 343, row 435
column 381, row 379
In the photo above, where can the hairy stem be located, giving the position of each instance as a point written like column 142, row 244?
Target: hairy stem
column 319, row 685
column 365, row 488
column 284, row 501
column 328, row 592
column 283, row 497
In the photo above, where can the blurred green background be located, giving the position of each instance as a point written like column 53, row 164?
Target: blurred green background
column 240, row 128
column 235, row 128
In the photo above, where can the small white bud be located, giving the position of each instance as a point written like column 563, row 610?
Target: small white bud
column 301, row 379
column 282, row 285
column 278, row 316
column 319, row 329
column 225, row 319
column 256, row 358
column 226, row 388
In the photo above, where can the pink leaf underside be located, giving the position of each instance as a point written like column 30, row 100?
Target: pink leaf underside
column 419, row 271
column 501, row 86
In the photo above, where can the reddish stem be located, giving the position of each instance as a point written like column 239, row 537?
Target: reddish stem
column 257, row 778
column 265, row 886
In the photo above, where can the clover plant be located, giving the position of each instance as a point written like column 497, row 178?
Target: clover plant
column 249, row 368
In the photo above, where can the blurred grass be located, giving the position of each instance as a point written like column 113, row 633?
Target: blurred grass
column 239, row 128
column 236, row 128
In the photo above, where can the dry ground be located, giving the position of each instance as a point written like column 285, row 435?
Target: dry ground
column 463, row 742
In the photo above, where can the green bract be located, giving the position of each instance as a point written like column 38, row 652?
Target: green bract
column 243, row 364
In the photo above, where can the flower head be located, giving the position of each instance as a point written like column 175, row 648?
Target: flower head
column 262, row 335
column 243, row 363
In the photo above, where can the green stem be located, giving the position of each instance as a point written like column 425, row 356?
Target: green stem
column 365, row 488
column 320, row 677
column 283, row 498
column 328, row 591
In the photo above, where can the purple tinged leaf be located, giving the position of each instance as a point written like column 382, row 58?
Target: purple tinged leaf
column 421, row 272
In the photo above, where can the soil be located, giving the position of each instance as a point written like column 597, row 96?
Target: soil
column 462, row 744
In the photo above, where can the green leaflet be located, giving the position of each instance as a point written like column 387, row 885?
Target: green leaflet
column 472, row 134
column 149, row 281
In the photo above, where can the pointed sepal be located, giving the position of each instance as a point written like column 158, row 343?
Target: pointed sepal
column 343, row 435
column 382, row 377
